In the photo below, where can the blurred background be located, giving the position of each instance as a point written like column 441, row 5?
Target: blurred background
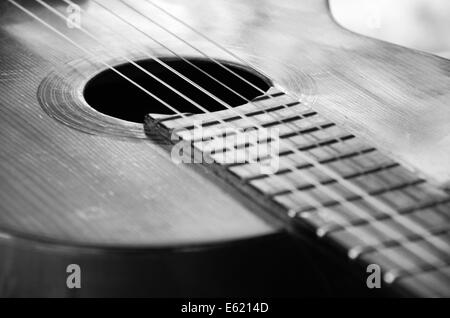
column 418, row 24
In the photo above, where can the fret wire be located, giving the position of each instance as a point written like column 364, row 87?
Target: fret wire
column 380, row 177
column 381, row 216
column 349, row 177
column 393, row 275
column 355, row 161
column 304, row 166
column 360, row 250
column 353, row 154
column 360, row 170
column 443, row 245
column 410, row 211
column 344, row 156
column 403, row 234
column 419, row 283
column 16, row 4
column 319, row 220
column 426, row 265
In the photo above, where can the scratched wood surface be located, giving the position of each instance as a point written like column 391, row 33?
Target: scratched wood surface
column 61, row 184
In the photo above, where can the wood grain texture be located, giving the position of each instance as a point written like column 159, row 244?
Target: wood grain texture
column 100, row 187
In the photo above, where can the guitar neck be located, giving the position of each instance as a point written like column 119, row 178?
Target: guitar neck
column 332, row 183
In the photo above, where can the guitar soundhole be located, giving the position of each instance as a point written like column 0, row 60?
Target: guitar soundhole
column 113, row 95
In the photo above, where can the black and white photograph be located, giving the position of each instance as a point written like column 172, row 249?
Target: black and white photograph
column 224, row 155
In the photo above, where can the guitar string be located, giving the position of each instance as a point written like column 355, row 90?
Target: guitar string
column 227, row 69
column 170, row 50
column 159, row 43
column 61, row 34
column 354, row 252
column 114, row 14
column 215, row 43
column 360, row 169
column 151, row 20
column 289, row 124
column 312, row 201
column 155, row 41
column 223, row 48
column 204, row 54
column 116, row 71
column 145, row 71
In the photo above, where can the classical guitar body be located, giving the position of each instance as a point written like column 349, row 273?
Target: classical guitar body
column 96, row 96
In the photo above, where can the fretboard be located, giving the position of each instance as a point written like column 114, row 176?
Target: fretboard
column 378, row 211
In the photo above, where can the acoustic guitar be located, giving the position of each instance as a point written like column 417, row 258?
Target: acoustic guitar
column 133, row 153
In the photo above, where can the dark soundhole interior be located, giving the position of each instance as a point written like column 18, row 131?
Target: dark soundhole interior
column 113, row 95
